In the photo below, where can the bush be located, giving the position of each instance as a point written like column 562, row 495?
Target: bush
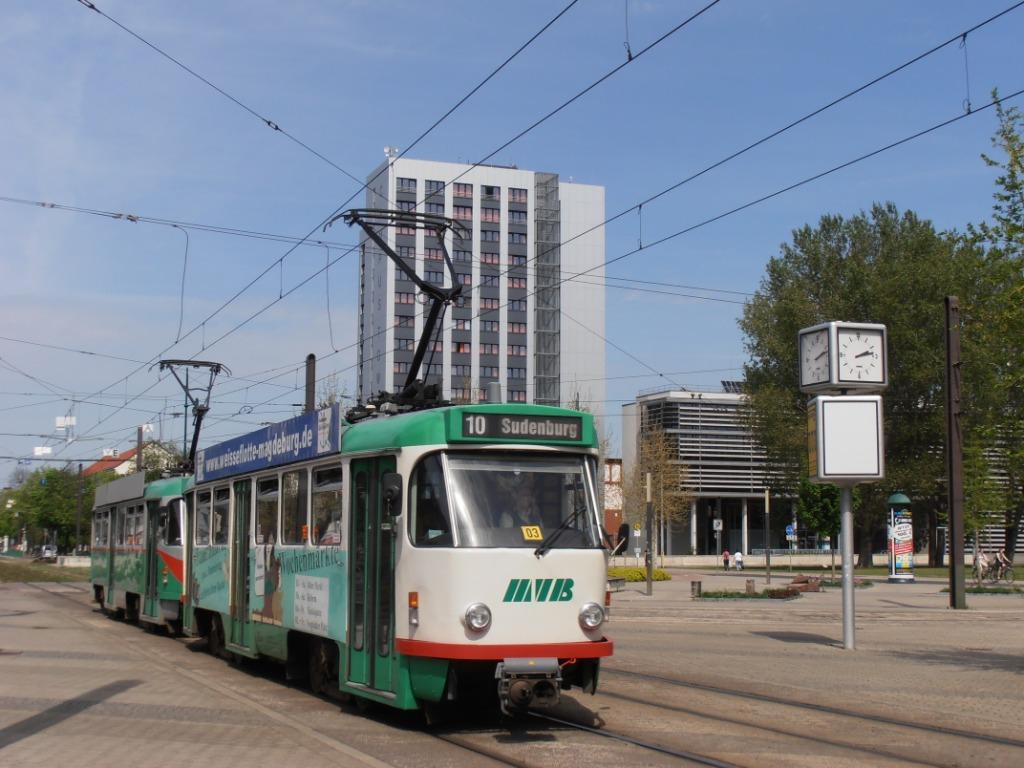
column 636, row 574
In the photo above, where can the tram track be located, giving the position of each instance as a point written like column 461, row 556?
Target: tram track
column 851, row 732
column 818, row 708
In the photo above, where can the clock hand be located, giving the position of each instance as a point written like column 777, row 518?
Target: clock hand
column 825, row 352
column 865, row 354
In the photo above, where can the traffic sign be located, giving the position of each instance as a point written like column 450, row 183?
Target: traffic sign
column 716, row 524
column 790, row 530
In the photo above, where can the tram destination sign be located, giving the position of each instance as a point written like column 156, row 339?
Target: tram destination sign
column 506, row 426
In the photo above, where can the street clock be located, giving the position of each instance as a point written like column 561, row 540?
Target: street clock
column 839, row 356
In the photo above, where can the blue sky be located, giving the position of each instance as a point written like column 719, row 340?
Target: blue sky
column 92, row 118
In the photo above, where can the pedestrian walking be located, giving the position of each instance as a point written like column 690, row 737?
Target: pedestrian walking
column 725, row 560
column 739, row 561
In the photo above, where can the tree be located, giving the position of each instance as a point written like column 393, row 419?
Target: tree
column 657, row 455
column 47, row 504
column 995, row 347
column 866, row 268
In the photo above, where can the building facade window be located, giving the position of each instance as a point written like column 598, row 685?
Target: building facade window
column 517, row 305
column 490, row 236
column 516, row 396
column 432, row 186
column 489, row 371
column 489, row 303
column 517, row 238
column 432, row 276
column 465, row 279
column 463, row 347
column 517, row 282
column 517, row 327
column 406, row 205
column 490, row 258
column 517, row 260
column 405, row 321
column 463, row 256
column 492, row 215
column 437, row 208
column 406, row 185
column 463, row 212
column 517, row 373
column 405, row 345
column 462, row 370
column 490, row 193
column 489, row 349
column 490, row 326
column 517, row 217
column 406, row 251
column 515, row 195
column 433, row 254
column 405, row 298
column 488, row 280
column 517, row 350
column 401, row 367
column 462, row 190
column 463, row 324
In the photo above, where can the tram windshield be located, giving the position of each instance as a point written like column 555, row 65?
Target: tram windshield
column 504, row 500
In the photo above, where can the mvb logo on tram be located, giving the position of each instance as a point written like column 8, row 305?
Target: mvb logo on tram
column 538, row 591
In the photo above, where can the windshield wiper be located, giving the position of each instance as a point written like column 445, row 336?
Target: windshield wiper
column 550, row 540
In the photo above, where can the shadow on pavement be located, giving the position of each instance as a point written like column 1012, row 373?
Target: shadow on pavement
column 968, row 659
column 798, row 637
column 60, row 712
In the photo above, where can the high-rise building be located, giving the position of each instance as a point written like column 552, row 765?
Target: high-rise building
column 517, row 322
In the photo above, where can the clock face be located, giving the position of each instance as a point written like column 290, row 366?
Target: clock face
column 814, row 357
column 860, row 355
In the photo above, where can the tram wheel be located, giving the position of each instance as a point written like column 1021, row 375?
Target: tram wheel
column 215, row 639
column 319, row 667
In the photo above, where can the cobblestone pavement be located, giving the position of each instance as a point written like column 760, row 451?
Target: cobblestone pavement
column 79, row 689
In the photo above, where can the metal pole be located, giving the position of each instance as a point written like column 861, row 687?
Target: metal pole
column 78, row 513
column 767, row 538
column 310, row 383
column 184, row 420
column 650, row 539
column 846, row 534
column 138, row 450
column 954, row 457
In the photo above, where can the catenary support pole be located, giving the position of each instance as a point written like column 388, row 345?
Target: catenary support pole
column 954, row 457
column 310, row 383
column 767, row 537
column 650, row 539
column 846, row 535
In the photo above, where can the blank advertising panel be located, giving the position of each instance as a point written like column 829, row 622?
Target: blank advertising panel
column 850, row 435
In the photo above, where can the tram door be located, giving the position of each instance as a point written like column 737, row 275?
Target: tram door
column 241, row 625
column 188, row 553
column 112, row 538
column 151, row 605
column 371, row 579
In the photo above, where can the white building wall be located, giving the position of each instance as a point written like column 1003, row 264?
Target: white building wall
column 582, row 351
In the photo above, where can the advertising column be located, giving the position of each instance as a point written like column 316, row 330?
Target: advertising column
column 901, row 539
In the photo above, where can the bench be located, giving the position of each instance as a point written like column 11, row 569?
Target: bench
column 616, row 584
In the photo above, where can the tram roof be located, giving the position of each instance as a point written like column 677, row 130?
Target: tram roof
column 169, row 486
column 446, row 425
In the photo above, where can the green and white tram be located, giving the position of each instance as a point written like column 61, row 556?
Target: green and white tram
column 434, row 556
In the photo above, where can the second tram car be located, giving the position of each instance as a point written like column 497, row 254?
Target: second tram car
column 411, row 559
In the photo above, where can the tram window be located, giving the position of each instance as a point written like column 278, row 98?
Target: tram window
column 221, row 502
column 266, row 511
column 429, row 525
column 202, row 518
column 121, row 517
column 172, row 530
column 294, row 521
column 97, row 529
column 327, row 496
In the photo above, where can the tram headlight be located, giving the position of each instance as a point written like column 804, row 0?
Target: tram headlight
column 478, row 617
column 591, row 616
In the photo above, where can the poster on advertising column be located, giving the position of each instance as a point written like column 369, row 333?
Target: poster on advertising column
column 901, row 545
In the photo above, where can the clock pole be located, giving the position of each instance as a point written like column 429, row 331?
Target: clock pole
column 846, row 532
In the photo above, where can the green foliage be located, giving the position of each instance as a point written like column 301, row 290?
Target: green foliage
column 866, row 268
column 48, row 500
column 818, row 507
column 637, row 574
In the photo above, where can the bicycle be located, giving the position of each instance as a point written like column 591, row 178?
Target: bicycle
column 998, row 572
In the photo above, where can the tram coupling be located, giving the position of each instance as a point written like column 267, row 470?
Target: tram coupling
column 524, row 683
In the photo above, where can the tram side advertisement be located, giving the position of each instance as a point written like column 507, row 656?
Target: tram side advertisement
column 303, row 437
